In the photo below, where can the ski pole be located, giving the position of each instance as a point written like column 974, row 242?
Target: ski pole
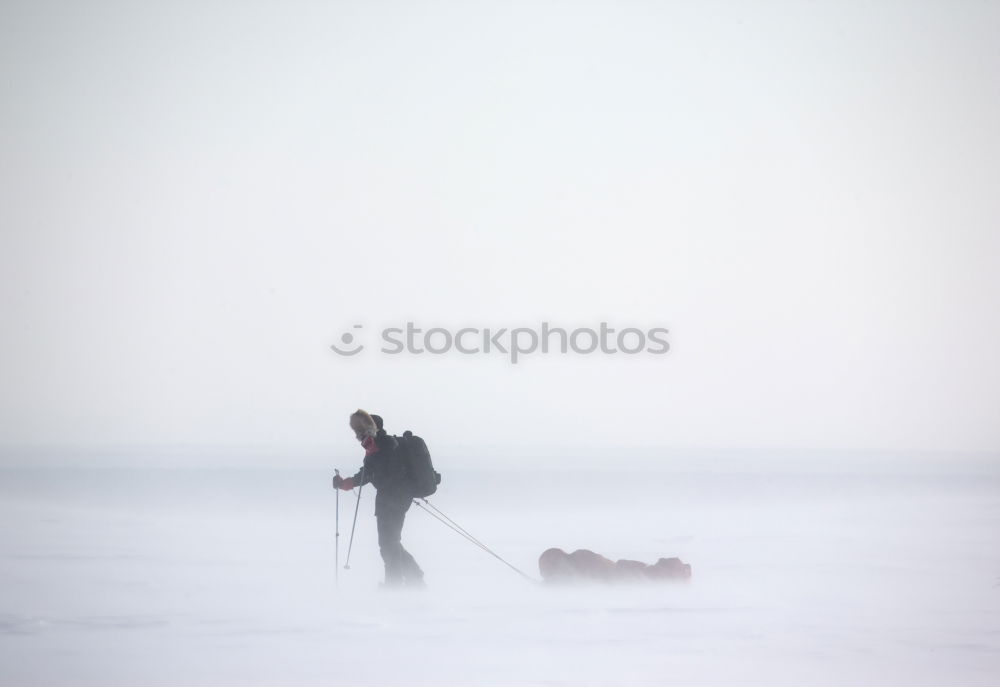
column 336, row 546
column 350, row 544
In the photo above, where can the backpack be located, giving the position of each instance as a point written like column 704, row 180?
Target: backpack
column 420, row 473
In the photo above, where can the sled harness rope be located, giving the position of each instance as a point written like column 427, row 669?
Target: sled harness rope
column 436, row 513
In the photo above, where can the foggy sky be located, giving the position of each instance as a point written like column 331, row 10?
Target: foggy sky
column 199, row 198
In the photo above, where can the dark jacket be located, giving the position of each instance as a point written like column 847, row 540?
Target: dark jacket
column 386, row 471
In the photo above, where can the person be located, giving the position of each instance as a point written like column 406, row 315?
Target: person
column 383, row 467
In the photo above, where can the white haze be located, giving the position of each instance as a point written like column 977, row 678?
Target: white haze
column 199, row 197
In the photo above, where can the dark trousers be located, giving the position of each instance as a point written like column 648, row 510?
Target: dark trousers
column 399, row 564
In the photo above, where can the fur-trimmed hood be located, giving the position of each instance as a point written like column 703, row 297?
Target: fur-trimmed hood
column 363, row 424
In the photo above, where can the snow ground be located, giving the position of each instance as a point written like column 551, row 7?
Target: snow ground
column 202, row 577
